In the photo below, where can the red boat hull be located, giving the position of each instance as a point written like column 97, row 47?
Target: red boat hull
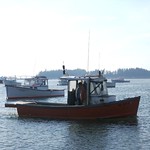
column 123, row 108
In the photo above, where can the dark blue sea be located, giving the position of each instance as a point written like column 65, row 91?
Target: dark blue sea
column 116, row 134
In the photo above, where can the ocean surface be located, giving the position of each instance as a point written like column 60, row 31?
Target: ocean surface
column 117, row 134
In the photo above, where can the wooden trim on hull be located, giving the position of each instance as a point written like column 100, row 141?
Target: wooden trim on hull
column 124, row 108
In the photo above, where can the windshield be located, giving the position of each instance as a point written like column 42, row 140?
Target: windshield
column 98, row 88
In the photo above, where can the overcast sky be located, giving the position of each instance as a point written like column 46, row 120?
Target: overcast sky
column 38, row 35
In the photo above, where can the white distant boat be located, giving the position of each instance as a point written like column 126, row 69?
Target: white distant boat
column 63, row 80
column 119, row 80
column 35, row 87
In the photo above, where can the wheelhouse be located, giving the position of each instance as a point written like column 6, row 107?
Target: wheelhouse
column 95, row 90
column 39, row 82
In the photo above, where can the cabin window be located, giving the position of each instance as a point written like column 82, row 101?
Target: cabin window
column 72, row 85
column 98, row 88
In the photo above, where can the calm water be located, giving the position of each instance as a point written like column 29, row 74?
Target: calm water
column 123, row 134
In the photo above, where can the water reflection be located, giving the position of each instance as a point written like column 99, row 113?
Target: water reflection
column 100, row 134
column 97, row 134
column 126, row 133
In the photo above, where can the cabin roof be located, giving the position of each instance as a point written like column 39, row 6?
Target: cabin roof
column 36, row 78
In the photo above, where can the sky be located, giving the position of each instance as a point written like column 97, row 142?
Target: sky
column 39, row 35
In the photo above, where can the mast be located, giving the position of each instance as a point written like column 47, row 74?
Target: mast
column 64, row 71
column 88, row 53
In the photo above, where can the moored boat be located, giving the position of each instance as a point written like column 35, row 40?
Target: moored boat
column 35, row 87
column 119, row 80
column 88, row 98
column 123, row 108
column 63, row 80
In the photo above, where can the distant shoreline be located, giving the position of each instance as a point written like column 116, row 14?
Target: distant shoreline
column 131, row 73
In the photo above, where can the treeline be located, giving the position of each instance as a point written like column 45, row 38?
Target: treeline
column 129, row 73
column 124, row 73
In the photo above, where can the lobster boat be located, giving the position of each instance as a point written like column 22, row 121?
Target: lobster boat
column 87, row 99
column 34, row 87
